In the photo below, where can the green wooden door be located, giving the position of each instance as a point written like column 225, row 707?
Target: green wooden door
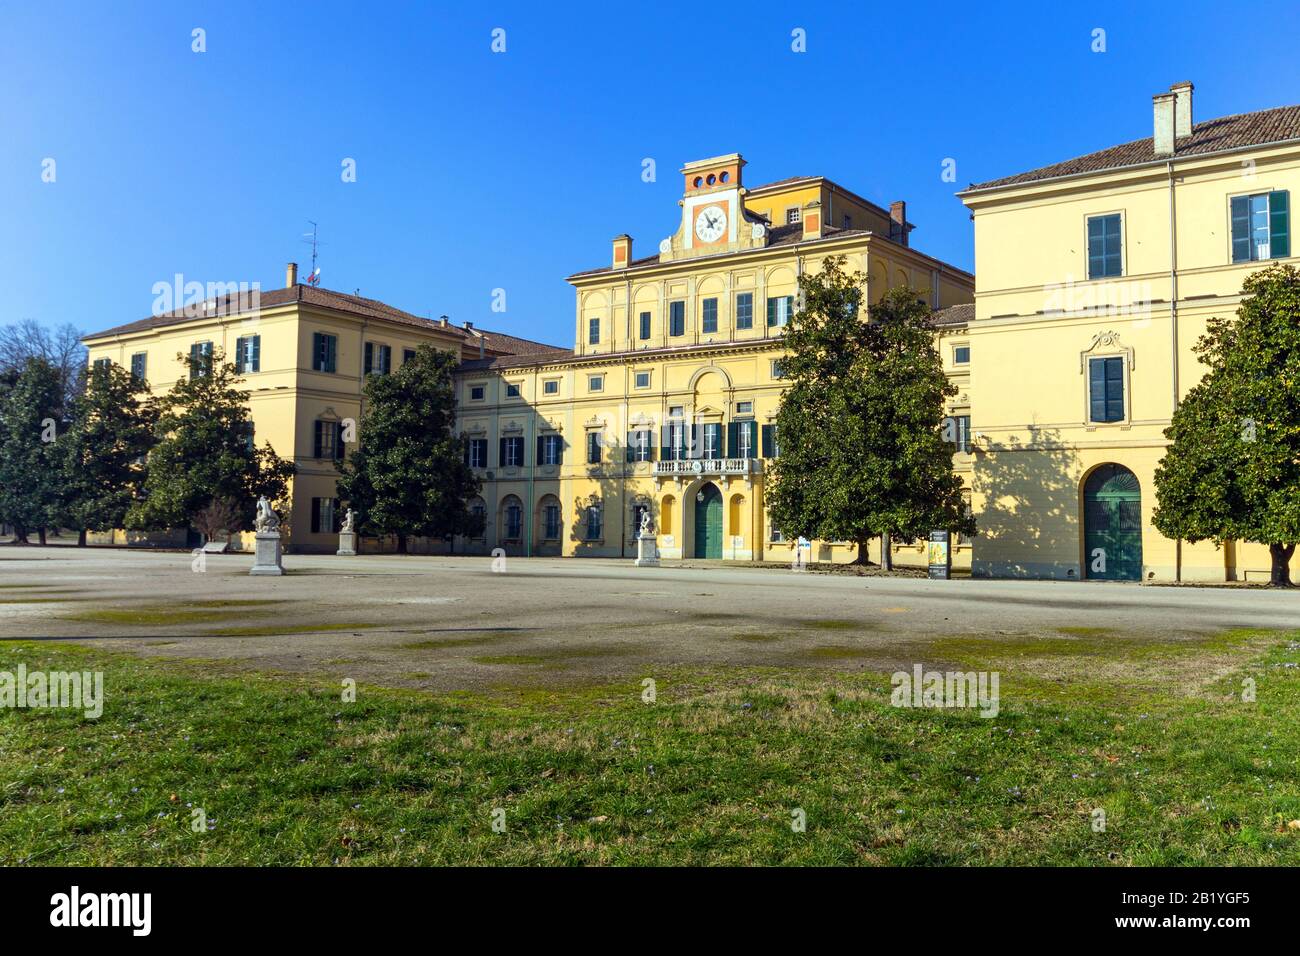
column 708, row 522
column 1112, row 522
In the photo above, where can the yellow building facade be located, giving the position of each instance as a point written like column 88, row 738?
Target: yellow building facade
column 303, row 354
column 667, row 401
column 1095, row 279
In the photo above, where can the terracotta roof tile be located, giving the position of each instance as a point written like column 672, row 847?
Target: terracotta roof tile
column 1213, row 136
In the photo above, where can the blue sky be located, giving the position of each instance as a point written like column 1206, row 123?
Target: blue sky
column 478, row 171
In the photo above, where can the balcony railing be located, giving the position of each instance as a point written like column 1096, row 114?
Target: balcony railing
column 707, row 466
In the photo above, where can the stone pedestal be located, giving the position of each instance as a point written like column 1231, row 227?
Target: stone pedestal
column 347, row 543
column 268, row 555
column 647, row 551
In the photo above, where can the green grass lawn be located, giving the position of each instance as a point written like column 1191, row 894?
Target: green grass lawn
column 1186, row 772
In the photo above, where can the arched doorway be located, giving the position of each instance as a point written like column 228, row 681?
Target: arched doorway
column 1112, row 525
column 708, row 521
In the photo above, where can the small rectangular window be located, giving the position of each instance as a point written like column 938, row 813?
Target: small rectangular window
column 642, row 379
column 848, row 221
column 593, row 523
column 512, row 452
column 324, row 512
column 478, row 452
column 378, row 359
column 1261, row 226
column 961, row 355
column 552, row 450
column 328, row 440
column 324, row 352
column 744, row 408
column 593, row 332
column 1104, row 258
column 595, row 383
column 709, row 316
column 957, row 430
column 248, row 353
column 551, row 387
column 779, row 308
column 512, row 389
column 1106, row 389
column 745, row 310
column 202, row 353
column 778, row 370
column 676, row 318
column 476, row 393
column 792, row 215
column 645, row 326
column 593, row 448
column 139, row 363
column 102, row 363
column 407, row 355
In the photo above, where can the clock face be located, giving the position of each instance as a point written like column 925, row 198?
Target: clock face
column 710, row 224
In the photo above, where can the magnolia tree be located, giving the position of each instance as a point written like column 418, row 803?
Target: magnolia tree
column 409, row 475
column 1232, row 469
column 862, row 448
column 205, row 452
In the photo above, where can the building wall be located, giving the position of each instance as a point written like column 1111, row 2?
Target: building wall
column 1039, row 318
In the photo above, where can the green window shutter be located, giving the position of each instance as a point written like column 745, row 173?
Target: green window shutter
column 257, row 353
column 1279, row 232
column 1114, row 389
column 753, row 438
column 1240, row 228
column 540, row 441
column 771, row 312
column 317, row 437
column 317, row 359
column 315, row 515
column 695, row 441
column 733, row 440
column 631, row 447
column 1097, row 390
column 767, row 441
column 331, row 349
column 337, row 428
column 665, row 443
column 501, row 458
column 370, row 358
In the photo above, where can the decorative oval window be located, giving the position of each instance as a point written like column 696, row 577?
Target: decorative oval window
column 698, row 182
column 725, row 177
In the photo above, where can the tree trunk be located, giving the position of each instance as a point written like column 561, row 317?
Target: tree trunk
column 81, row 538
column 886, row 553
column 862, row 557
column 42, row 533
column 1281, row 574
column 401, row 544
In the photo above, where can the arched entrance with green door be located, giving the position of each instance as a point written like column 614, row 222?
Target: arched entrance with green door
column 708, row 521
column 1112, row 525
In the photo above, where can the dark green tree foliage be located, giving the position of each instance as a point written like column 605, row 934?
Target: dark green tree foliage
column 104, row 448
column 408, row 476
column 860, row 427
column 204, row 451
column 31, row 419
column 1232, row 469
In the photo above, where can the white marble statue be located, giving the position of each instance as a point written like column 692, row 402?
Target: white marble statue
column 645, row 523
column 267, row 520
column 349, row 522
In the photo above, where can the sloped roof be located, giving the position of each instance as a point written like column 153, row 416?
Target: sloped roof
column 340, row 302
column 1213, row 136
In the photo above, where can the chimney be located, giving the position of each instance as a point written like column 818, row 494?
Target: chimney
column 1182, row 108
column 812, row 220
column 291, row 275
column 1163, row 109
column 444, row 320
column 469, row 326
column 898, row 221
column 622, row 251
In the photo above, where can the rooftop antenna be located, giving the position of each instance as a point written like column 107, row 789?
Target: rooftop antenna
column 313, row 277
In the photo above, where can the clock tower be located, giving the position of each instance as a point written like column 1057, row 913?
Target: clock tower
column 714, row 218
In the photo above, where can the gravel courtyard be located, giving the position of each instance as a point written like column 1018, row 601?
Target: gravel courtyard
column 454, row 624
